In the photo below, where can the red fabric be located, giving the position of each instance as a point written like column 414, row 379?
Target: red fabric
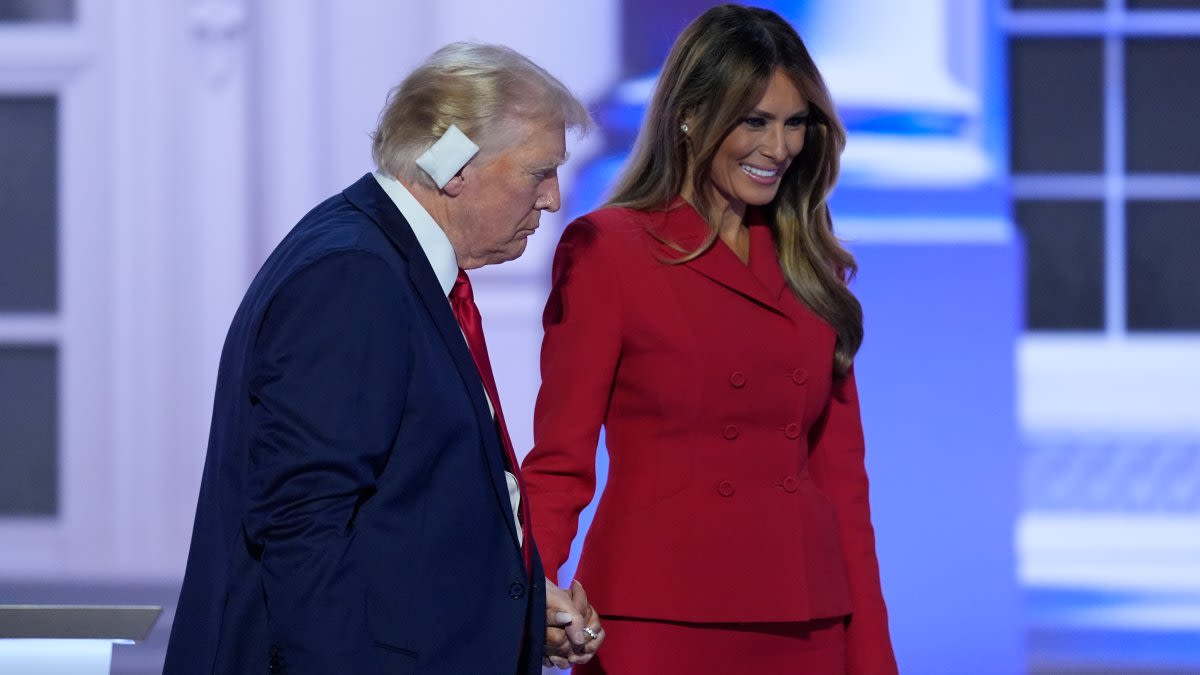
column 633, row 646
column 737, row 488
column 462, row 300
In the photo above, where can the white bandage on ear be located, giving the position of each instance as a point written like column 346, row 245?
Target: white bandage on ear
column 447, row 156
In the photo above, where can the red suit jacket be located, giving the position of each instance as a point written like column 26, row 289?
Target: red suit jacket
column 737, row 490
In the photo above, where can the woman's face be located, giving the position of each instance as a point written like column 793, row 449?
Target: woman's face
column 752, row 159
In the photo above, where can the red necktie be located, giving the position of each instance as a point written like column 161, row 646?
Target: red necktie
column 462, row 300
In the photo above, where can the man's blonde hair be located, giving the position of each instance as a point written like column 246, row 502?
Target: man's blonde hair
column 476, row 87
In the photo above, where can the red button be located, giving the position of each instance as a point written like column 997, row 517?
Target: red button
column 790, row 484
column 792, row 431
column 799, row 376
column 726, row 489
column 731, row 432
column 738, row 380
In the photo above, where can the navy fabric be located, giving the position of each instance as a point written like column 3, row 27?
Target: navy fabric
column 353, row 515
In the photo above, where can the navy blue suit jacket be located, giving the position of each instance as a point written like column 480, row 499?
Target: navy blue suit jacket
column 353, row 515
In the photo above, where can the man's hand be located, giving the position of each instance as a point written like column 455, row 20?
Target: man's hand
column 573, row 630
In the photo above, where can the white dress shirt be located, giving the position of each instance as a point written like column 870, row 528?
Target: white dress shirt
column 440, row 253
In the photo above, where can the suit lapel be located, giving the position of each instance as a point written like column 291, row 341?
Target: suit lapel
column 369, row 197
column 685, row 227
column 764, row 261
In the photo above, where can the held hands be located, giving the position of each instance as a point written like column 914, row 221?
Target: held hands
column 573, row 630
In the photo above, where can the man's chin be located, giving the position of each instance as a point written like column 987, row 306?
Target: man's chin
column 513, row 252
column 519, row 246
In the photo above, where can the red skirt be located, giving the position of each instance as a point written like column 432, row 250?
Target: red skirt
column 639, row 646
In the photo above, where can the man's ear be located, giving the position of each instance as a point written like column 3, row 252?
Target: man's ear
column 454, row 186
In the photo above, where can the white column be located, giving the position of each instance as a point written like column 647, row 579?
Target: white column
column 891, row 52
column 212, row 238
column 181, row 261
column 141, row 222
column 291, row 110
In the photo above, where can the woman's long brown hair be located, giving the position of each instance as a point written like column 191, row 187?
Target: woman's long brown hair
column 717, row 70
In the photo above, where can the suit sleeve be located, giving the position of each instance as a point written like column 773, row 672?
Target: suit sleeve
column 837, row 464
column 327, row 389
column 580, row 351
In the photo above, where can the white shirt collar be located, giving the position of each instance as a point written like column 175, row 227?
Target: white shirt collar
column 441, row 257
column 430, row 236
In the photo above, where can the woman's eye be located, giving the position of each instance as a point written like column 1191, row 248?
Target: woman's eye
column 798, row 121
column 754, row 122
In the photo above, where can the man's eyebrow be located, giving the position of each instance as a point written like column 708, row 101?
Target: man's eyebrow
column 553, row 164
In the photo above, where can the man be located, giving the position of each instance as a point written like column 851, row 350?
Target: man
column 361, row 507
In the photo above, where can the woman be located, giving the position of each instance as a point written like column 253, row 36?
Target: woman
column 703, row 318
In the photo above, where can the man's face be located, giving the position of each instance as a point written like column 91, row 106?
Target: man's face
column 505, row 191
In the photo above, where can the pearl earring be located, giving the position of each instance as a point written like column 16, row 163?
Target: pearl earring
column 683, row 128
